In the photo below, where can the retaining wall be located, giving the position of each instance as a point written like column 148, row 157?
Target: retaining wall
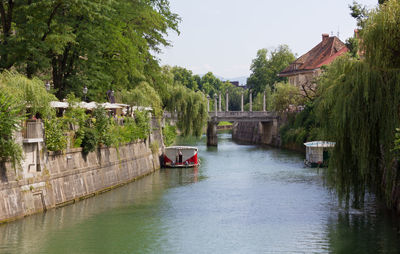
column 61, row 179
column 257, row 132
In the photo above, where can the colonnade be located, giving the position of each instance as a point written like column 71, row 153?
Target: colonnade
column 218, row 102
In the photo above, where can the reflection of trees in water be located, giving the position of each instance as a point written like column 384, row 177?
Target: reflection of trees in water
column 182, row 176
column 357, row 232
column 41, row 232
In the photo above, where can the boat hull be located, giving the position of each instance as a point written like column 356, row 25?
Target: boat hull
column 180, row 157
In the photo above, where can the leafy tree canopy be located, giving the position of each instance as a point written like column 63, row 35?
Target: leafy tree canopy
column 265, row 68
column 98, row 44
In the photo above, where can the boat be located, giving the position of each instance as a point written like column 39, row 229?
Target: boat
column 180, row 157
column 317, row 153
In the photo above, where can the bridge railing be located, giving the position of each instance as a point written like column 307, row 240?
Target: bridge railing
column 240, row 114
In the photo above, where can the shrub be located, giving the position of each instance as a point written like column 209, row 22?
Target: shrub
column 89, row 141
column 54, row 134
column 10, row 118
column 169, row 134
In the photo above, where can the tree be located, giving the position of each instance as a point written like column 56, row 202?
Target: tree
column 359, row 109
column 285, row 96
column 210, row 84
column 185, row 77
column 98, row 44
column 265, row 68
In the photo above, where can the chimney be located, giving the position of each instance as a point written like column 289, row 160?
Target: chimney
column 325, row 37
column 356, row 34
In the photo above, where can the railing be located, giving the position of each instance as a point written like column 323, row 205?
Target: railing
column 242, row 114
column 33, row 129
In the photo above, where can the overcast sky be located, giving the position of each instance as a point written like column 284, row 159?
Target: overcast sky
column 223, row 36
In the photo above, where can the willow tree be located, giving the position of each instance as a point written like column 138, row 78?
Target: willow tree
column 360, row 110
column 28, row 93
column 17, row 94
column 191, row 109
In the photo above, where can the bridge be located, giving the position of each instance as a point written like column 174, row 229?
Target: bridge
column 267, row 121
column 239, row 116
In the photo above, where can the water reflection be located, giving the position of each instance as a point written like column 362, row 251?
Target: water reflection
column 363, row 233
column 242, row 199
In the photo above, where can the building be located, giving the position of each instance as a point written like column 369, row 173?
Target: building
column 303, row 71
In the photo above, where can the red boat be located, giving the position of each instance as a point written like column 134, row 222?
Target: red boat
column 180, row 156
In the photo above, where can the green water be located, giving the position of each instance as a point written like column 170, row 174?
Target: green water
column 242, row 199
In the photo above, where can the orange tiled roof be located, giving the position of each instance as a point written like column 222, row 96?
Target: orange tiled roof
column 322, row 54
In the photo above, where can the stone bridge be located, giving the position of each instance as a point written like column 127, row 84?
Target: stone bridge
column 238, row 116
column 264, row 124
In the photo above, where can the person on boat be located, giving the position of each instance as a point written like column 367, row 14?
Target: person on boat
column 180, row 156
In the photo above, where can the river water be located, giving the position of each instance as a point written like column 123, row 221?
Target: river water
column 242, row 199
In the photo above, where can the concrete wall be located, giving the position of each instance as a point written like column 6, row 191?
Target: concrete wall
column 257, row 132
column 65, row 178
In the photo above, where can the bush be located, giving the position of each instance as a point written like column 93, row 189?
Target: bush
column 169, row 134
column 90, row 140
column 54, row 134
column 102, row 125
column 10, row 118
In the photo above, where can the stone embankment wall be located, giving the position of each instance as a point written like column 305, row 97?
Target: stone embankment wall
column 257, row 132
column 61, row 179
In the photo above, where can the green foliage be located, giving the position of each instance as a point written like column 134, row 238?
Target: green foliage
column 142, row 95
column 210, row 84
column 10, row 119
column 224, row 123
column 102, row 124
column 169, row 134
column 85, row 43
column 185, row 77
column 54, row 134
column 142, row 125
column 396, row 147
column 301, row 127
column 89, row 141
column 380, row 36
column 29, row 93
column 359, row 109
column 265, row 68
column 191, row 108
column 285, row 96
column 359, row 12
column 75, row 118
column 104, row 130
column 353, row 45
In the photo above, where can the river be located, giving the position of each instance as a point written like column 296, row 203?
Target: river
column 242, row 199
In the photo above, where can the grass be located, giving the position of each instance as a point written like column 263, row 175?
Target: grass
column 224, row 123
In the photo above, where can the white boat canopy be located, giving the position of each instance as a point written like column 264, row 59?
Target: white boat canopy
column 322, row 144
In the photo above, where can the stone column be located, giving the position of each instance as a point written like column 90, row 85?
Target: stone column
column 215, row 105
column 212, row 138
column 251, row 101
column 241, row 102
column 220, row 103
column 208, row 103
column 226, row 102
column 264, row 101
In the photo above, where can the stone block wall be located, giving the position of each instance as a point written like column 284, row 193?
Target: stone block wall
column 257, row 132
column 65, row 178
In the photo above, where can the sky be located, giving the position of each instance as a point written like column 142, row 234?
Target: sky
column 223, row 36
